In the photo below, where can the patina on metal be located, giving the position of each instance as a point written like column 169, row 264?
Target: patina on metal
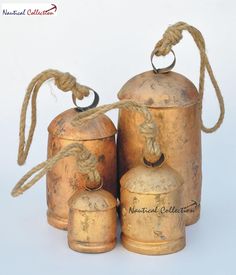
column 176, row 105
column 151, row 215
column 148, row 193
column 92, row 221
column 173, row 101
column 92, row 211
column 98, row 135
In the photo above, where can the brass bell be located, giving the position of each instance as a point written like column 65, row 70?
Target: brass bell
column 149, row 198
column 176, row 107
column 149, row 192
column 92, row 212
column 173, row 101
column 92, row 221
column 98, row 135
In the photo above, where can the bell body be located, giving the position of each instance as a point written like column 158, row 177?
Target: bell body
column 92, row 221
column 151, row 217
column 98, row 136
column 173, row 102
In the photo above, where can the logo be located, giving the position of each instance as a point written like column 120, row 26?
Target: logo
column 164, row 210
column 29, row 9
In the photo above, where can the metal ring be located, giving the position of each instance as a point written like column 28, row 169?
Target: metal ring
column 158, row 163
column 95, row 189
column 166, row 69
column 93, row 105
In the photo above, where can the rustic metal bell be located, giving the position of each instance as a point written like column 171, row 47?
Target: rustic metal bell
column 92, row 221
column 176, row 107
column 147, row 191
column 98, row 135
column 151, row 215
column 173, row 102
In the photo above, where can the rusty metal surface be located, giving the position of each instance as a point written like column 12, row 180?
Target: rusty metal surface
column 160, row 90
column 64, row 179
column 146, row 194
column 92, row 221
column 176, row 112
column 61, row 126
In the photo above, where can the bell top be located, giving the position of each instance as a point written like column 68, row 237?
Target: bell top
column 97, row 128
column 151, row 180
column 160, row 90
column 98, row 200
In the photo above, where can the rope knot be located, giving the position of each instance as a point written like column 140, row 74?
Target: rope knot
column 67, row 82
column 87, row 165
column 171, row 37
column 148, row 129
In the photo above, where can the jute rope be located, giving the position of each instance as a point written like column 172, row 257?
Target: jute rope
column 65, row 82
column 148, row 128
column 171, row 37
column 86, row 163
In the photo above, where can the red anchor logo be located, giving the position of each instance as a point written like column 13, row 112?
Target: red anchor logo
column 54, row 7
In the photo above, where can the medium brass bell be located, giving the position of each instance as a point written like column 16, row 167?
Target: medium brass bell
column 150, row 197
column 97, row 135
column 92, row 221
column 149, row 193
column 176, row 107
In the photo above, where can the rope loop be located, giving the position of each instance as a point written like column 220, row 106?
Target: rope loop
column 171, row 37
column 65, row 82
column 86, row 162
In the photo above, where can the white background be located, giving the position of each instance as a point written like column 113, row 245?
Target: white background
column 104, row 43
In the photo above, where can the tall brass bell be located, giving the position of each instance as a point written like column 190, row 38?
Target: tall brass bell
column 176, row 106
column 97, row 135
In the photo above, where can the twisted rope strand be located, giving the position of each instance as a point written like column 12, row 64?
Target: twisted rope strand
column 86, row 163
column 65, row 82
column 171, row 37
column 148, row 128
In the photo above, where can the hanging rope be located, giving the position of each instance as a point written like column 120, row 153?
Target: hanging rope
column 65, row 82
column 148, row 128
column 171, row 37
column 86, row 163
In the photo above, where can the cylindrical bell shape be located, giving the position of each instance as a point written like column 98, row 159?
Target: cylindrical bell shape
column 174, row 103
column 92, row 221
column 151, row 216
column 98, row 136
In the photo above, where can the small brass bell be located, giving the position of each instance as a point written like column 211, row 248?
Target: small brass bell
column 149, row 198
column 92, row 212
column 92, row 221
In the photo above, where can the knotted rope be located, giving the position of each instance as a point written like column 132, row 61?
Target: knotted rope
column 65, row 82
column 86, row 163
column 171, row 37
column 148, row 128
